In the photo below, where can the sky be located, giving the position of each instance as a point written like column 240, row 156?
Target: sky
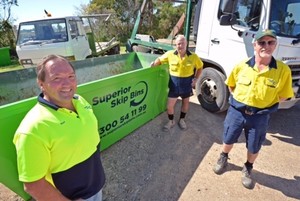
column 34, row 9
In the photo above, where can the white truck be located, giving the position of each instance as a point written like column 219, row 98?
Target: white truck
column 223, row 32
column 73, row 37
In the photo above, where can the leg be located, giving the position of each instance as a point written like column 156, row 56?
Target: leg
column 171, row 105
column 185, row 105
column 184, row 109
column 255, row 132
column 233, row 126
column 246, row 171
column 227, row 148
column 170, row 111
column 251, row 157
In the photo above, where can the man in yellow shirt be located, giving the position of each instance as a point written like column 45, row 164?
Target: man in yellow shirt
column 184, row 69
column 57, row 142
column 257, row 85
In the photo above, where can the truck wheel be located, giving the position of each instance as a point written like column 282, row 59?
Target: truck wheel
column 211, row 90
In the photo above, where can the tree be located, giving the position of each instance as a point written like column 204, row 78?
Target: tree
column 162, row 19
column 122, row 12
column 158, row 17
column 6, row 29
column 6, row 5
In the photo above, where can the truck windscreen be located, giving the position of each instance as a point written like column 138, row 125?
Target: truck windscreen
column 42, row 31
column 285, row 18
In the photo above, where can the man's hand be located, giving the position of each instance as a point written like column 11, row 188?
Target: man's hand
column 156, row 62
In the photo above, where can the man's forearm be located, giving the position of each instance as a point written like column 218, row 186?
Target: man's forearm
column 197, row 74
column 156, row 62
column 44, row 191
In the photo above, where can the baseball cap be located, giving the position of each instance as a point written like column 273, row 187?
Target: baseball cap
column 265, row 32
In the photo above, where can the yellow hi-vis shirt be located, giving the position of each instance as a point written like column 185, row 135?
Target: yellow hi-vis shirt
column 51, row 140
column 260, row 89
column 181, row 67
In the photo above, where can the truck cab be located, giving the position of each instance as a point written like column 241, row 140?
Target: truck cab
column 224, row 34
column 64, row 36
column 221, row 33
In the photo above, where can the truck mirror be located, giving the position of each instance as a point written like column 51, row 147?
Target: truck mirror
column 228, row 19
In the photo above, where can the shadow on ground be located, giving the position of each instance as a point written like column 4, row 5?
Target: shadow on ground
column 150, row 164
column 287, row 122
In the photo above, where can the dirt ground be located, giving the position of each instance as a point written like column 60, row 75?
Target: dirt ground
column 150, row 164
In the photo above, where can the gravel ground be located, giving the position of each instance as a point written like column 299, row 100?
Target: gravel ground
column 150, row 164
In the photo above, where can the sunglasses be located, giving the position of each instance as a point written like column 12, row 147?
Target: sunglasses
column 263, row 43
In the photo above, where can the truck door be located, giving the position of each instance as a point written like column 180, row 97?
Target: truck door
column 79, row 40
column 231, row 44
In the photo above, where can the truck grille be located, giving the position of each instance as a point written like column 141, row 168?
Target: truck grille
column 296, row 79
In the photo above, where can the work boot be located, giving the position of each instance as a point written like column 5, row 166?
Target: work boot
column 221, row 164
column 169, row 125
column 246, row 178
column 182, row 124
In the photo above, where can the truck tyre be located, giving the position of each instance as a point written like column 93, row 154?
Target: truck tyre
column 211, row 90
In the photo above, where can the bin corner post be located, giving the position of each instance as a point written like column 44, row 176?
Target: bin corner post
column 92, row 45
column 162, row 93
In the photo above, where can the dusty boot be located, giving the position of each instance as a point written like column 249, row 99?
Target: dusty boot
column 246, row 178
column 221, row 164
column 182, row 124
column 169, row 125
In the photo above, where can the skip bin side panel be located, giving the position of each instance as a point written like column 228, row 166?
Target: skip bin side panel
column 130, row 100
column 126, row 102
column 10, row 117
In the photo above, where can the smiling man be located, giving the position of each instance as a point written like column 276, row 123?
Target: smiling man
column 58, row 142
column 257, row 85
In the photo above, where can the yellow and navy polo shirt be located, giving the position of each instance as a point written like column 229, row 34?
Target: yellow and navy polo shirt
column 62, row 146
column 181, row 67
column 260, row 89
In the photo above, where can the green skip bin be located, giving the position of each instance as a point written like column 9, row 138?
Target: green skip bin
column 4, row 56
column 124, row 91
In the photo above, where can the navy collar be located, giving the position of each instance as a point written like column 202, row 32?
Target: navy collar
column 251, row 62
column 188, row 53
column 47, row 103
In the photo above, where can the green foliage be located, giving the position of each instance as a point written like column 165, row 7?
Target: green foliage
column 6, row 5
column 7, row 38
column 159, row 18
column 121, row 21
column 165, row 19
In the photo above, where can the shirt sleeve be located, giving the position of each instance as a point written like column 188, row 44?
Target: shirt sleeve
column 33, row 157
column 198, row 63
column 164, row 59
column 231, row 79
column 286, row 90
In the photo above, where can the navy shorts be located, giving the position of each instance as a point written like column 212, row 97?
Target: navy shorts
column 180, row 87
column 255, row 128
